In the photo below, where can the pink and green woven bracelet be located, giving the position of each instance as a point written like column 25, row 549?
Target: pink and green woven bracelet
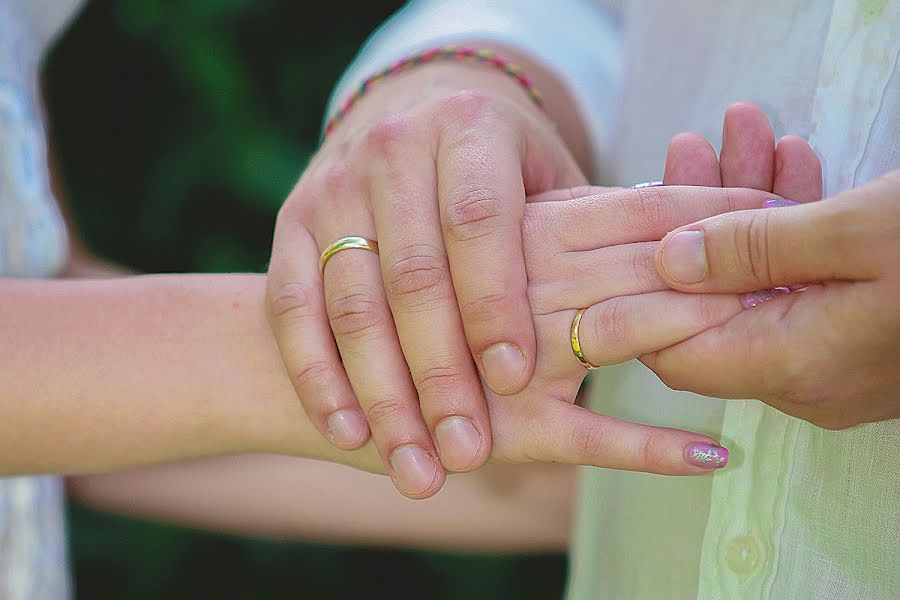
column 461, row 53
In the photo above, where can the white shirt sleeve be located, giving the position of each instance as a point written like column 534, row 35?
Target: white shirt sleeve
column 578, row 40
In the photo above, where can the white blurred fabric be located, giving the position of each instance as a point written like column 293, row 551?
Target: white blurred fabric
column 33, row 243
column 800, row 513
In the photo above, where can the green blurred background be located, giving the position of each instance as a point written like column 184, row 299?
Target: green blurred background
column 180, row 127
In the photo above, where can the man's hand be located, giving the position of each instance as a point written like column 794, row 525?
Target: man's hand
column 435, row 165
column 828, row 355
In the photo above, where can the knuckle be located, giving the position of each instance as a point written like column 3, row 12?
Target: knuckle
column 390, row 136
column 751, row 245
column 485, row 308
column 325, row 186
column 335, row 178
column 467, row 107
column 588, row 440
column 652, row 452
column 438, row 380
column 472, row 213
column 314, row 374
column 652, row 212
column 384, row 411
column 643, row 266
column 611, row 322
column 295, row 302
column 731, row 199
column 354, row 312
column 417, row 274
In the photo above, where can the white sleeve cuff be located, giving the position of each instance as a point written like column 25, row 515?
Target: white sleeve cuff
column 578, row 40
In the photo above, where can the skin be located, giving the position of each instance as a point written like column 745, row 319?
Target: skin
column 150, row 340
column 398, row 164
column 497, row 508
column 827, row 355
column 612, row 320
column 436, row 165
column 119, row 331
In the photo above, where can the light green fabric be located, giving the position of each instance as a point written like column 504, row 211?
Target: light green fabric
column 800, row 512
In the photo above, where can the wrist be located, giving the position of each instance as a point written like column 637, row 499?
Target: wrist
column 402, row 90
column 409, row 88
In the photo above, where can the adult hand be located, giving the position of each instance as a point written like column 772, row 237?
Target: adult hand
column 828, row 355
column 435, row 165
column 597, row 251
column 633, row 313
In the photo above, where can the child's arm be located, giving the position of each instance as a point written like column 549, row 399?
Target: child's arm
column 499, row 508
column 101, row 375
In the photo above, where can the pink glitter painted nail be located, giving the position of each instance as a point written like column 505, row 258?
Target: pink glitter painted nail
column 760, row 296
column 706, row 456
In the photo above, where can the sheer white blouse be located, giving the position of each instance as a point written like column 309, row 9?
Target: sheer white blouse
column 33, row 243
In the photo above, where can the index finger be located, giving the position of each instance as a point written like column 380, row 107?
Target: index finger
column 560, row 432
column 628, row 216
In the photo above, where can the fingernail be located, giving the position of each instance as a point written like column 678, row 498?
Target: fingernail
column 706, row 456
column 503, row 367
column 758, row 297
column 458, row 442
column 684, row 257
column 413, row 468
column 778, row 203
column 348, row 428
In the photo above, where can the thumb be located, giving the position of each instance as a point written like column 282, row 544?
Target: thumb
column 777, row 245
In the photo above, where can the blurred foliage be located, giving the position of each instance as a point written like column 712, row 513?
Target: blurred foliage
column 130, row 560
column 180, row 127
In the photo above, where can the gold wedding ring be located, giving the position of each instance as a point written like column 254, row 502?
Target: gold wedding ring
column 576, row 342
column 352, row 242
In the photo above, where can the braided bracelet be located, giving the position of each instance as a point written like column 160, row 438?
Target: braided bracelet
column 460, row 53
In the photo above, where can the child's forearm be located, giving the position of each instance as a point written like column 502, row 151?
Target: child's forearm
column 100, row 375
column 499, row 508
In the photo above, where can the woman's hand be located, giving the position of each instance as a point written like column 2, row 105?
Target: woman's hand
column 828, row 355
column 435, row 165
column 633, row 314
